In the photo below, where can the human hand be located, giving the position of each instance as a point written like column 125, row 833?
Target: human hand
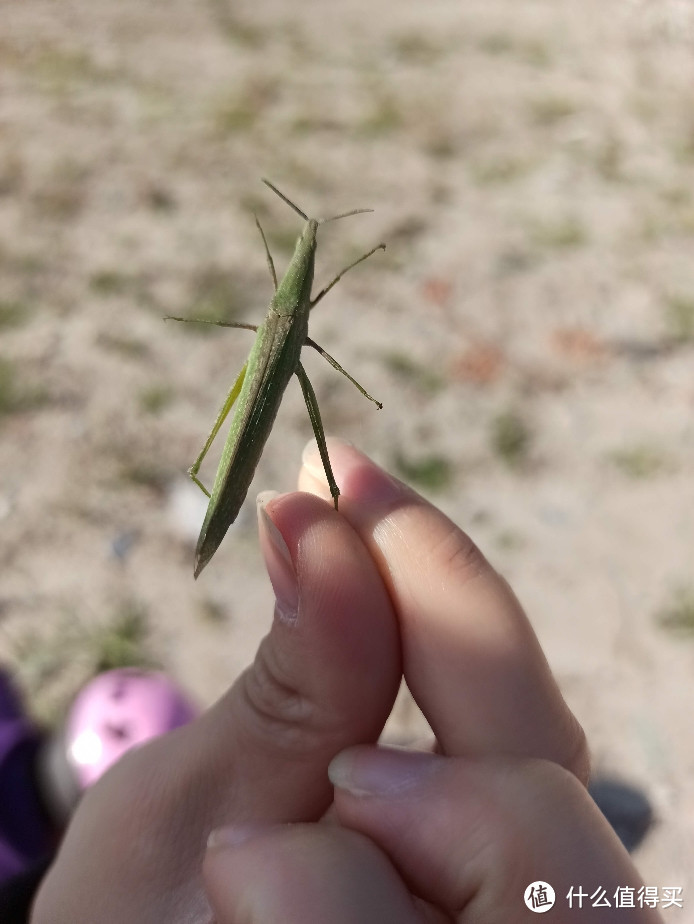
column 423, row 837
column 320, row 683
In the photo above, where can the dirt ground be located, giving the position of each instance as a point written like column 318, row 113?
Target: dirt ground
column 530, row 329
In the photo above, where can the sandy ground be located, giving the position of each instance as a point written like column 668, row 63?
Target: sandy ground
column 530, row 329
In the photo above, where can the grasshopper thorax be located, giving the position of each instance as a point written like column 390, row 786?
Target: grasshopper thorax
column 293, row 294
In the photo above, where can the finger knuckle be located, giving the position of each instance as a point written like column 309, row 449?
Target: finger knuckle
column 458, row 555
column 285, row 715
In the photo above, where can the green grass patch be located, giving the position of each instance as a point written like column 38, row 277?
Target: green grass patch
column 16, row 395
column 62, row 194
column 511, row 438
column 50, row 663
column 61, row 70
column 530, row 51
column 255, row 203
column 241, row 111
column 679, row 317
column 212, row 612
column 677, row 614
column 548, row 111
column 639, row 461
column 124, row 344
column 497, row 170
column 236, row 115
column 159, row 199
column 143, row 474
column 122, row 642
column 416, row 49
column 609, row 159
column 111, row 282
column 13, row 314
column 433, row 472
column 508, row 540
column 561, row 234
column 384, row 118
column 155, row 398
column 214, row 297
column 440, row 143
column 240, row 31
column 412, row 372
column 497, row 43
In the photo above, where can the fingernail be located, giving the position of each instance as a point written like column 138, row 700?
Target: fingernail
column 235, row 835
column 381, row 771
column 278, row 562
column 367, row 482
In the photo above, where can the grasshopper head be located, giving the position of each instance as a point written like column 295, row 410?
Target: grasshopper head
column 309, row 231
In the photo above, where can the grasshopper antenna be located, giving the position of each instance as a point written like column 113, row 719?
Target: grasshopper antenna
column 321, row 221
column 288, row 201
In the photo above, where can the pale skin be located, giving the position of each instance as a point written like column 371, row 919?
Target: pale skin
column 384, row 587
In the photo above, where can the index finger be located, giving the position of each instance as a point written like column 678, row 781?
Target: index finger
column 470, row 656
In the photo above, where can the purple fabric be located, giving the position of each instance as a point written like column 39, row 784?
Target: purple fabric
column 26, row 834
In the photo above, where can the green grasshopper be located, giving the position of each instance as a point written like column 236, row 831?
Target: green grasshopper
column 274, row 358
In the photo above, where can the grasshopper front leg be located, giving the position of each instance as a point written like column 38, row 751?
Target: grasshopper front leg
column 317, row 424
column 324, row 292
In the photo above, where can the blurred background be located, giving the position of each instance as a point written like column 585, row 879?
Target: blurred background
column 530, row 329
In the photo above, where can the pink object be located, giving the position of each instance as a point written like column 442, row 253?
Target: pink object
column 114, row 712
column 117, row 711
